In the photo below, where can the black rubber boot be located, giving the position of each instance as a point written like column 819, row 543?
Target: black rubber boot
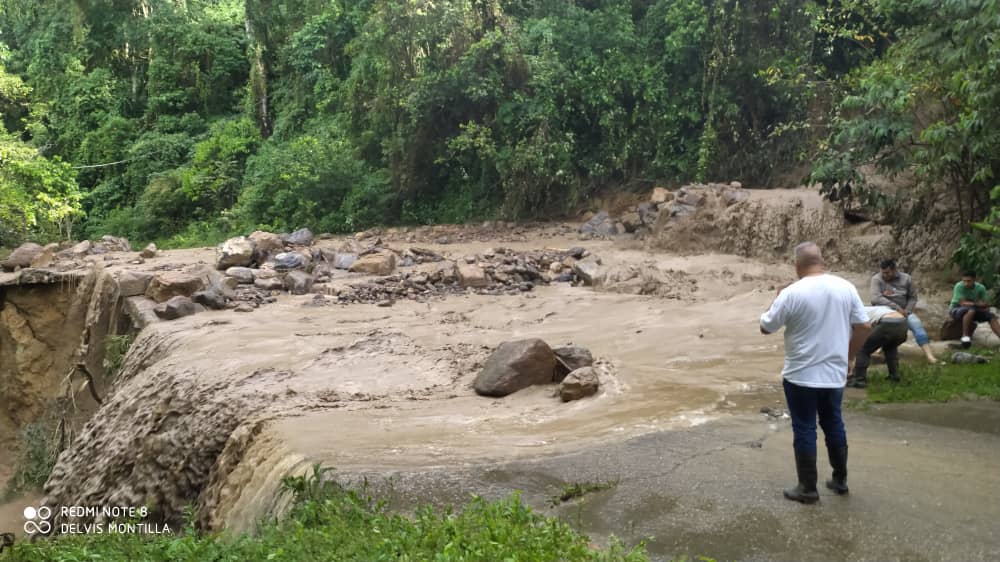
column 838, row 460
column 805, row 491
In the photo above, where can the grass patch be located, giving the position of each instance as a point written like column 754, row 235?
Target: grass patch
column 938, row 383
column 115, row 348
column 39, row 447
column 575, row 490
column 330, row 522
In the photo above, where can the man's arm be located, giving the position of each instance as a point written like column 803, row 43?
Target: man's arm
column 859, row 333
column 878, row 299
column 772, row 320
column 911, row 296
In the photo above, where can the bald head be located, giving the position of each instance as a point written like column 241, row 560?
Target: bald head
column 808, row 259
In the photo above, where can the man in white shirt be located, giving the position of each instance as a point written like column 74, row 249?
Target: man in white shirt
column 825, row 325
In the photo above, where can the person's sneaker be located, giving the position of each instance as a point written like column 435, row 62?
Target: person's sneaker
column 966, row 341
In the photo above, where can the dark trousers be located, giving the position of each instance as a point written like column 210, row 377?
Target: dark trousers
column 804, row 404
column 888, row 335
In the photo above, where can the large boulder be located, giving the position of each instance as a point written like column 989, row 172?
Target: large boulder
column 600, row 224
column 471, row 276
column 376, row 263
column 141, row 311
column 22, row 256
column 265, row 244
column 588, row 269
column 242, row 275
column 176, row 307
column 516, row 365
column 133, row 283
column 211, row 297
column 301, row 237
column 631, row 220
column 298, row 282
column 287, row 261
column 235, row 252
column 82, row 249
column 169, row 284
column 115, row 244
column 579, row 384
column 344, row 260
column 571, row 358
column 269, row 283
column 149, row 251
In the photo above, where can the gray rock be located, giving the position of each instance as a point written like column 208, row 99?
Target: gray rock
column 471, row 276
column 648, row 213
column 210, row 298
column 298, row 282
column 235, row 252
column 141, row 311
column 269, row 283
column 22, row 256
column 579, row 384
column 600, row 224
column 290, row 260
column 115, row 244
column 588, row 270
column 170, row 284
column 243, row 275
column 149, row 251
column 344, row 261
column 301, row 237
column 631, row 221
column 133, row 283
column 965, row 357
column 577, row 252
column 571, row 358
column 82, row 249
column 176, row 307
column 516, row 365
column 265, row 244
column 243, row 307
column 734, row 196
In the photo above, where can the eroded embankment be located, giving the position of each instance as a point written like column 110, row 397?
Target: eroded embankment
column 53, row 328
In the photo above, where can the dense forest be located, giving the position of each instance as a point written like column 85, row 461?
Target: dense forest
column 185, row 120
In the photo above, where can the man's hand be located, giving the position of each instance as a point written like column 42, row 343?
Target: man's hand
column 982, row 304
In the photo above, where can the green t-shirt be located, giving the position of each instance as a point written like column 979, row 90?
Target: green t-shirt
column 962, row 293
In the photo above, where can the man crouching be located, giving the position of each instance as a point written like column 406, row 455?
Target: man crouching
column 825, row 325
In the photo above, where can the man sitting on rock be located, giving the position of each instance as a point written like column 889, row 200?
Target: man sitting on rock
column 896, row 290
column 888, row 333
column 969, row 304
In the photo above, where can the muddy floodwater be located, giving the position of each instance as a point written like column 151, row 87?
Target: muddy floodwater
column 213, row 410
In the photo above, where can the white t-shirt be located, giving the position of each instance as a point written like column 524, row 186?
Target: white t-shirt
column 817, row 313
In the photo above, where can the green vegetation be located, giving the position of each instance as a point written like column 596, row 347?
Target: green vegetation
column 927, row 114
column 183, row 122
column 39, row 447
column 329, row 522
column 575, row 490
column 937, row 383
column 115, row 348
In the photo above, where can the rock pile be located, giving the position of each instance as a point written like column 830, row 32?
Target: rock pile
column 516, row 365
column 663, row 206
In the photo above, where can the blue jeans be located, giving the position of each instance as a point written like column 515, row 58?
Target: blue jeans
column 804, row 404
column 917, row 327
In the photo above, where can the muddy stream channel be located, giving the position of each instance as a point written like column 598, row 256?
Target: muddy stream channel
column 213, row 409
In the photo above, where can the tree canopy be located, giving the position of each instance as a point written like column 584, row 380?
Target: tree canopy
column 161, row 118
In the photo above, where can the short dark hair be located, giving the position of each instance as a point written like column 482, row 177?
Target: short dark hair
column 971, row 274
column 887, row 263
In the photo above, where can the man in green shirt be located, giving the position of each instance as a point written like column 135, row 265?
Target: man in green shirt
column 968, row 305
